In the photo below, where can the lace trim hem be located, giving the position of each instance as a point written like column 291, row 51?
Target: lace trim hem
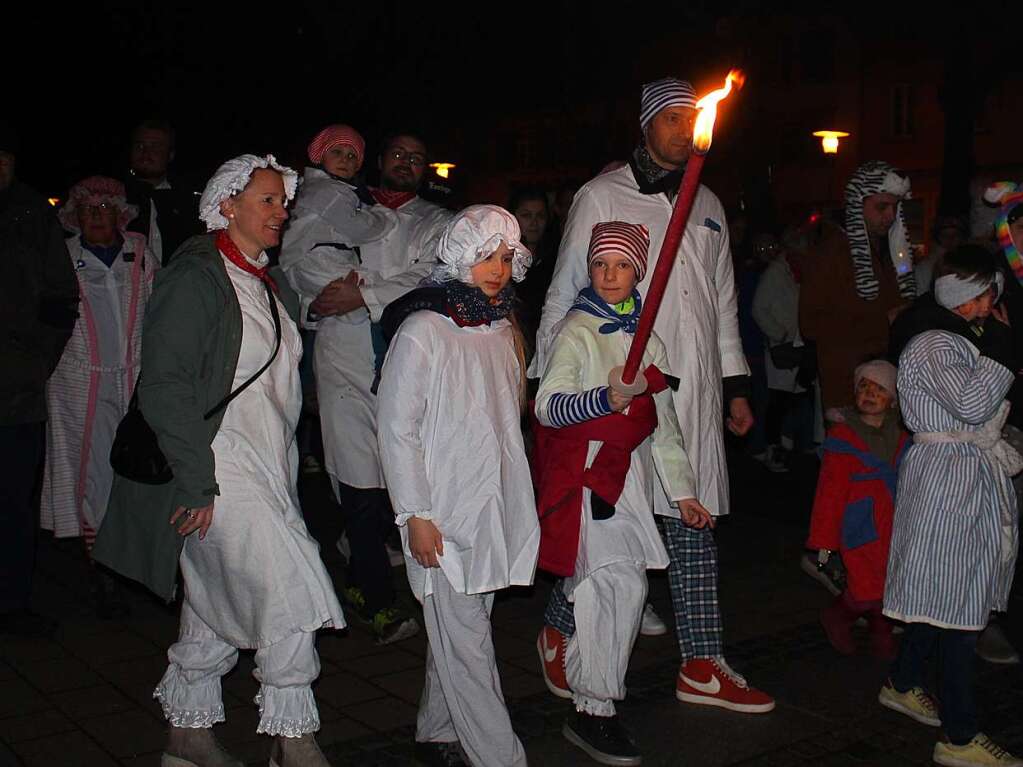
column 289, row 727
column 593, row 707
column 189, row 718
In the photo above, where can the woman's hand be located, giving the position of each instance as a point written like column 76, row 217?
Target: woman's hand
column 195, row 519
column 425, row 542
column 694, row 515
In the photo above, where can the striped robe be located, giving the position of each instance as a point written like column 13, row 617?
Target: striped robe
column 89, row 391
column 953, row 550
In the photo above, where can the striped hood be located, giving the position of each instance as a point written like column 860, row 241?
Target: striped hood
column 876, row 177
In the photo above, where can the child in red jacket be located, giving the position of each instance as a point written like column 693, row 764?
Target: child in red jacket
column 855, row 505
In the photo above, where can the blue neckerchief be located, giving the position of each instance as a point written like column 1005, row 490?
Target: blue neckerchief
column 105, row 253
column 887, row 472
column 588, row 301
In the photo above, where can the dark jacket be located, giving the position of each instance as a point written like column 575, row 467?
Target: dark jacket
column 848, row 329
column 993, row 339
column 177, row 212
column 38, row 302
column 191, row 340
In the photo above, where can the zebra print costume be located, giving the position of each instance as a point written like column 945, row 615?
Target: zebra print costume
column 876, row 177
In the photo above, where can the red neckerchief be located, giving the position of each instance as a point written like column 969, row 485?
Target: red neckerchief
column 226, row 246
column 389, row 199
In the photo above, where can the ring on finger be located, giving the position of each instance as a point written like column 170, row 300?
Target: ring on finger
column 190, row 513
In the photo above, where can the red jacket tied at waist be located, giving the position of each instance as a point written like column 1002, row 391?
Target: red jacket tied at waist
column 559, row 462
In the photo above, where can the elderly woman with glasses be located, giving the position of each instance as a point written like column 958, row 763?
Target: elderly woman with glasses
column 252, row 573
column 89, row 391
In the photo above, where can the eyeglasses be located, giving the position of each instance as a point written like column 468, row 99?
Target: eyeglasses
column 415, row 159
column 97, row 210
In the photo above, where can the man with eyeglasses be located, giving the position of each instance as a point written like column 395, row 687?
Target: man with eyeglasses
column 349, row 349
column 168, row 212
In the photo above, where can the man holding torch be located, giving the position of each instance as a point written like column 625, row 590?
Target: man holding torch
column 697, row 322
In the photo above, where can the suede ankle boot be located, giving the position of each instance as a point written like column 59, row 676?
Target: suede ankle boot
column 297, row 752
column 195, row 747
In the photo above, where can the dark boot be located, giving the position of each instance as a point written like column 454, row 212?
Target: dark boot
column 603, row 738
column 838, row 619
column 882, row 640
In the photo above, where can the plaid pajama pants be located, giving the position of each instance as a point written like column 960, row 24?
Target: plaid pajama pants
column 693, row 583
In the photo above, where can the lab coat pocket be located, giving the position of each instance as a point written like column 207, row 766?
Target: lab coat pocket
column 701, row 245
column 858, row 528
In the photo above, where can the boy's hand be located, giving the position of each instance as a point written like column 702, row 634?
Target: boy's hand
column 425, row 542
column 694, row 515
column 617, row 400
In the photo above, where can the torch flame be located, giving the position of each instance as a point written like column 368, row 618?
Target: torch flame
column 703, row 131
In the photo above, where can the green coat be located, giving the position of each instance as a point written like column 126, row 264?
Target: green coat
column 191, row 340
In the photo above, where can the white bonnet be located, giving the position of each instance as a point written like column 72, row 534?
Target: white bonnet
column 471, row 236
column 232, row 177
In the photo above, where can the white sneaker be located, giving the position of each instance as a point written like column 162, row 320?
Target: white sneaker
column 651, row 625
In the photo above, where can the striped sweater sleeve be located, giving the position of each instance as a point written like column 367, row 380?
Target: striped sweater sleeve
column 566, row 409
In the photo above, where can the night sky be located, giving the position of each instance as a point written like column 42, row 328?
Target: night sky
column 242, row 77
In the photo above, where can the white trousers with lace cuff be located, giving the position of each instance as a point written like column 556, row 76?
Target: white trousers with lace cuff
column 608, row 607
column 190, row 691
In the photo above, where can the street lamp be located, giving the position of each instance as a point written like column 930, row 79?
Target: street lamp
column 829, row 139
column 442, row 168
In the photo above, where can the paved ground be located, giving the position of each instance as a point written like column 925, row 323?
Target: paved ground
column 84, row 698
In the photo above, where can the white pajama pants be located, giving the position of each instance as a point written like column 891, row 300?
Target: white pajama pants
column 608, row 607
column 462, row 698
column 190, row 690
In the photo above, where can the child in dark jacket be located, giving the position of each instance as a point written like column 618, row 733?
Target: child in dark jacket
column 855, row 505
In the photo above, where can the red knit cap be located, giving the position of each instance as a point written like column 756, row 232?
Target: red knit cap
column 336, row 135
column 623, row 238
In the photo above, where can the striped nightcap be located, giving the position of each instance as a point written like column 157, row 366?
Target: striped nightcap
column 332, row 136
column 629, row 240
column 666, row 92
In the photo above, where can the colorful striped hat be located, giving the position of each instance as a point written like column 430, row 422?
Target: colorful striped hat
column 336, row 135
column 623, row 238
column 666, row 92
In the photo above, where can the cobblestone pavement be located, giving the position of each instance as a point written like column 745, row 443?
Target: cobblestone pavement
column 84, row 698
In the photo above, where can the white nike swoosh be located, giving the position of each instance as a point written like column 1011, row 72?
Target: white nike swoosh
column 713, row 687
column 550, row 653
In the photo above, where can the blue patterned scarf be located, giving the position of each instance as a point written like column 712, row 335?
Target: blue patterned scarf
column 588, row 301
column 467, row 305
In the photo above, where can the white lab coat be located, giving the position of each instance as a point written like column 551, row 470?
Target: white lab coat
column 392, row 260
column 697, row 320
column 452, row 451
column 88, row 393
column 579, row 360
column 257, row 577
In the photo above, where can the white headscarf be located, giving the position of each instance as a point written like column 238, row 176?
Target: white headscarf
column 231, row 178
column 471, row 236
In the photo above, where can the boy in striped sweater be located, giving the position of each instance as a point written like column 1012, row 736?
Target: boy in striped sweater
column 601, row 455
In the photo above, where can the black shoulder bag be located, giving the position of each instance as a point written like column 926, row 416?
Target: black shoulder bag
column 136, row 454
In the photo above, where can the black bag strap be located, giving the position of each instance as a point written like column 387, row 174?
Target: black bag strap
column 275, row 313
column 277, row 346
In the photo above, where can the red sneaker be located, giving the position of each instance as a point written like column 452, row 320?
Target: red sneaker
column 551, row 646
column 710, row 682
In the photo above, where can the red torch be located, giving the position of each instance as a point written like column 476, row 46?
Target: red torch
column 627, row 379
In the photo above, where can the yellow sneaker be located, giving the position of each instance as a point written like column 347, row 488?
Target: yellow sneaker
column 914, row 703
column 979, row 752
